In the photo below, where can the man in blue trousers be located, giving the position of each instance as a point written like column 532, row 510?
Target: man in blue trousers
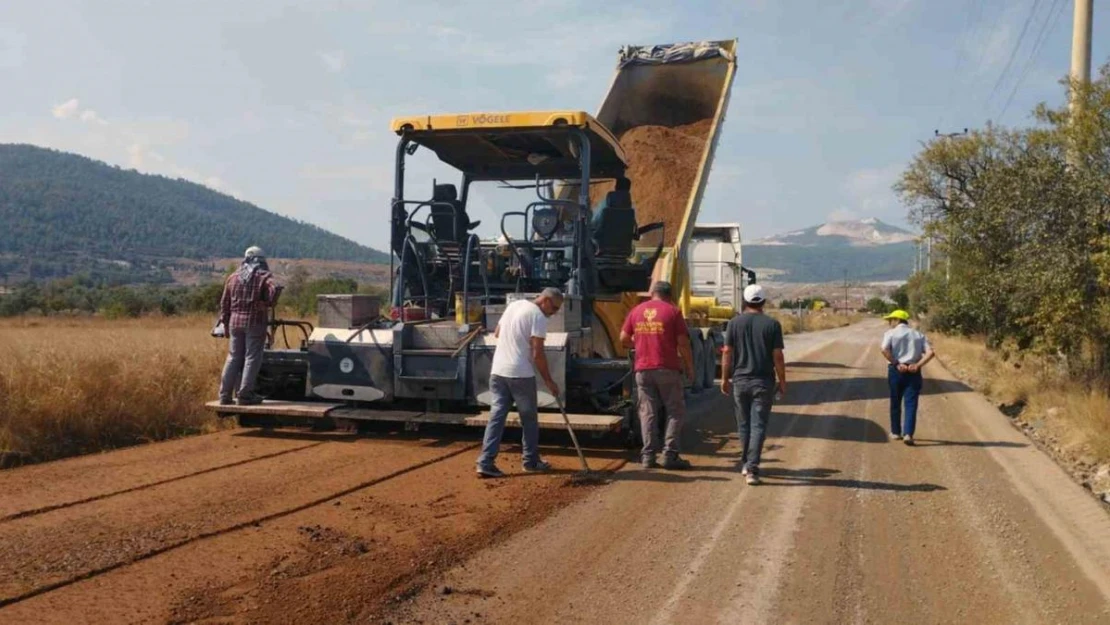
column 907, row 351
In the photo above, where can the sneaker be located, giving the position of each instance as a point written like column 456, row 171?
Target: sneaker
column 648, row 462
column 538, row 466
column 744, row 470
column 490, row 471
column 895, row 437
column 674, row 463
column 226, row 401
column 250, row 400
column 753, row 479
column 908, row 439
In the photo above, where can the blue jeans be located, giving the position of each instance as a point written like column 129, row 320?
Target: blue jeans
column 904, row 387
column 754, row 398
column 244, row 359
column 505, row 392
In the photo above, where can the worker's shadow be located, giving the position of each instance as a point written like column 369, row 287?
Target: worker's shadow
column 775, row 476
column 670, row 477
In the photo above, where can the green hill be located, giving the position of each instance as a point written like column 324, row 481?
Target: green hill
column 62, row 213
column 831, row 263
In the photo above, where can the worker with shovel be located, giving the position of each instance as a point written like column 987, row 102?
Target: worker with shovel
column 518, row 357
column 658, row 331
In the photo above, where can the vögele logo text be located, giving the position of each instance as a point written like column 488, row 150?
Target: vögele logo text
column 489, row 119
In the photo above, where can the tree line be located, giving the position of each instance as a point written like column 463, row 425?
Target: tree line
column 1021, row 218
column 83, row 295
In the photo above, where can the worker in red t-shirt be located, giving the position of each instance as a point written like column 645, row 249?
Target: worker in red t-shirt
column 658, row 331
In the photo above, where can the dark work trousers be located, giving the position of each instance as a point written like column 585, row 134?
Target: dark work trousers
column 904, row 388
column 754, row 398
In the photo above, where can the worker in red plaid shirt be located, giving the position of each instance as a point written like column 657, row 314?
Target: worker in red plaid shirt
column 244, row 310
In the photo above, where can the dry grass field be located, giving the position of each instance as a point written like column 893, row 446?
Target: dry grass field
column 71, row 386
column 1063, row 412
column 813, row 321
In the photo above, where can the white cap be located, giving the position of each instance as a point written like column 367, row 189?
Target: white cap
column 253, row 251
column 753, row 294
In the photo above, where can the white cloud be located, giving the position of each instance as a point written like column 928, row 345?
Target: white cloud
column 136, row 156
column 72, row 108
column 90, row 117
column 333, row 60
column 66, row 109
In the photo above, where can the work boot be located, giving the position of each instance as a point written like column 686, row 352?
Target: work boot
column 490, row 471
column 250, row 399
column 674, row 463
column 648, row 462
column 538, row 466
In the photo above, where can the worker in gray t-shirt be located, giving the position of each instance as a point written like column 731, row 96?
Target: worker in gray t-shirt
column 752, row 359
column 906, row 351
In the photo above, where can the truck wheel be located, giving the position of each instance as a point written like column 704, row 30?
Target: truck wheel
column 698, row 348
column 710, row 364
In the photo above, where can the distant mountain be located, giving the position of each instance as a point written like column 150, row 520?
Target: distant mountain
column 62, row 213
column 867, row 232
column 867, row 250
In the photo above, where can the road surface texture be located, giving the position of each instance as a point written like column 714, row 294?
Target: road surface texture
column 972, row 525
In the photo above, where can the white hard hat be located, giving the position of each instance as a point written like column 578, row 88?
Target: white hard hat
column 253, row 251
column 753, row 294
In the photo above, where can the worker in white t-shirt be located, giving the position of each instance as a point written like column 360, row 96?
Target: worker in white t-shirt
column 516, row 360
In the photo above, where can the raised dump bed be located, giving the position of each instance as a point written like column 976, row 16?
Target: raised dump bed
column 666, row 104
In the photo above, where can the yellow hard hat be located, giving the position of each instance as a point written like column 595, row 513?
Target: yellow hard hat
column 899, row 314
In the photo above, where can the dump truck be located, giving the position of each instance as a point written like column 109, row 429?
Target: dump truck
column 425, row 356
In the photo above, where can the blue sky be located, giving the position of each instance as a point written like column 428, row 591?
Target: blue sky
column 286, row 103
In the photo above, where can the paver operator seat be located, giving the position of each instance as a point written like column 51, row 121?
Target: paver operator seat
column 613, row 227
column 451, row 225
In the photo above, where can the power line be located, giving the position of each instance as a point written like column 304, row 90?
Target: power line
column 1048, row 27
column 1013, row 53
column 973, row 18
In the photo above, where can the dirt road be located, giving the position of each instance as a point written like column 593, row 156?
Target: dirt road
column 972, row 525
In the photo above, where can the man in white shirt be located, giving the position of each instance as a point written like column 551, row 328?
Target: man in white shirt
column 907, row 351
column 516, row 360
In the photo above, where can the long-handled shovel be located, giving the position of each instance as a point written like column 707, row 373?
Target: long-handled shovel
column 585, row 475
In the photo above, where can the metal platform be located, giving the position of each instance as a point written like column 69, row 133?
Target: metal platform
column 309, row 409
column 320, row 410
column 554, row 421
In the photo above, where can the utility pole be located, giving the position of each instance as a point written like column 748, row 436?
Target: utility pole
column 948, row 136
column 1080, row 62
column 846, row 306
column 1081, row 45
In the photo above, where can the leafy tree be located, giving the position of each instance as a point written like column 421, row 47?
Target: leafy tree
column 1025, row 231
column 878, row 306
